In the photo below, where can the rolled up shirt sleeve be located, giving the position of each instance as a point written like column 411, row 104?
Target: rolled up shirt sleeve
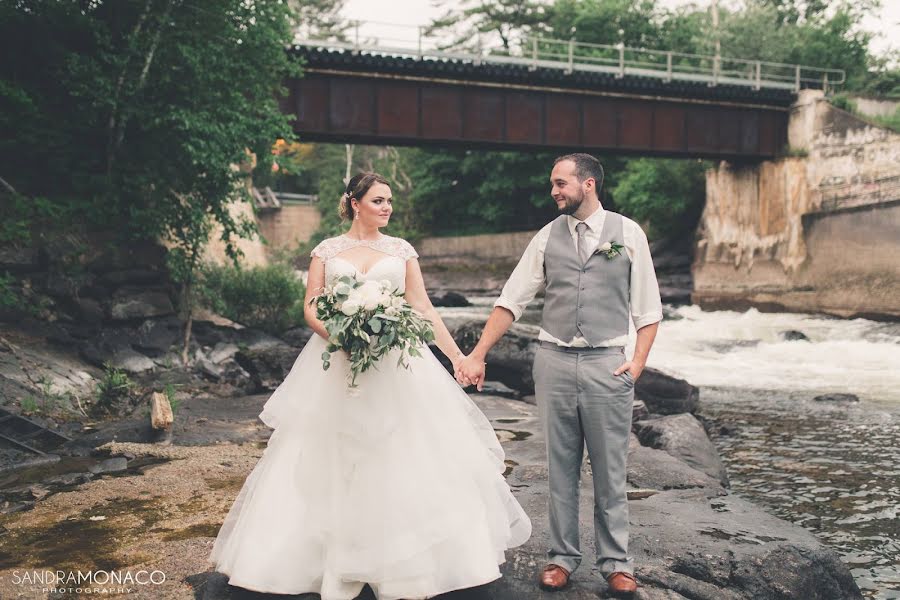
column 527, row 278
column 646, row 305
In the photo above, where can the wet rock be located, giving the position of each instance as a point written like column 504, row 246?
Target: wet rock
column 793, row 335
column 18, row 260
column 496, row 388
column 666, row 395
column 140, row 303
column 298, row 336
column 267, row 364
column 133, row 276
column 228, row 371
column 38, row 492
column 450, row 299
column 131, row 361
column 656, row 469
column 683, row 437
column 223, row 351
column 155, row 337
column 110, row 465
column 837, row 398
column 639, row 411
column 90, row 310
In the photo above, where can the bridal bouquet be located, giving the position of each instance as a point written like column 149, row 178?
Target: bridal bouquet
column 368, row 319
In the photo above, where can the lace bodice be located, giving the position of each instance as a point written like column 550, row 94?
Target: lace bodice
column 391, row 267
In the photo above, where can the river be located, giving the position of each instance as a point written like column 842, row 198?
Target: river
column 831, row 467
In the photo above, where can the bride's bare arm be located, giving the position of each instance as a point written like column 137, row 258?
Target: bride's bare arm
column 417, row 297
column 315, row 283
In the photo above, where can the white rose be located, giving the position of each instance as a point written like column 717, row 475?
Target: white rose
column 342, row 288
column 605, row 246
column 369, row 295
column 386, row 284
column 391, row 311
column 350, row 307
column 397, row 302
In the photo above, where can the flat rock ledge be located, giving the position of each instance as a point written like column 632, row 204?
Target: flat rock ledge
column 690, row 538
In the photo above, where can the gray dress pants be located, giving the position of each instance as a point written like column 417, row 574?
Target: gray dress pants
column 581, row 401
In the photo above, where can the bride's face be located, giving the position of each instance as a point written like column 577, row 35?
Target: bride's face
column 376, row 206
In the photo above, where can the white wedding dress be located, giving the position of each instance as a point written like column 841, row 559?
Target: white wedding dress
column 397, row 483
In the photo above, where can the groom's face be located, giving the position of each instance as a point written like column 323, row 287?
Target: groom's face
column 567, row 190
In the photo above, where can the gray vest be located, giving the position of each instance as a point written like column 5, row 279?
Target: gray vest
column 590, row 299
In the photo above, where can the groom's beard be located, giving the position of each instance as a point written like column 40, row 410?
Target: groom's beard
column 572, row 203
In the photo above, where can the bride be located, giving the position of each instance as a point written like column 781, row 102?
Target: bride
column 397, row 483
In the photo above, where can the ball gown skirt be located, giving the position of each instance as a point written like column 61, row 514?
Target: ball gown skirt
column 397, row 483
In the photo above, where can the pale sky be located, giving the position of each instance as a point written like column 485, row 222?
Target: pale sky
column 886, row 24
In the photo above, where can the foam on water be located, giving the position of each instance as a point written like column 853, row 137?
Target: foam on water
column 726, row 348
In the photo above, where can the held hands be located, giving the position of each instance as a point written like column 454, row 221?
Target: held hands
column 470, row 371
column 633, row 367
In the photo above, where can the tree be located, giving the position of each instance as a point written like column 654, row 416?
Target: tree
column 467, row 20
column 129, row 116
column 669, row 194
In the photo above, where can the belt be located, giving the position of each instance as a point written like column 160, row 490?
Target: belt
column 583, row 350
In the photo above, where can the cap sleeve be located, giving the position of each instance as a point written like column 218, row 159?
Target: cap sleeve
column 407, row 251
column 323, row 250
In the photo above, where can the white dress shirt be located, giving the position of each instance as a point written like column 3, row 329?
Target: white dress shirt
column 527, row 279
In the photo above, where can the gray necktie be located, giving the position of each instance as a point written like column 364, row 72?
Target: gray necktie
column 583, row 250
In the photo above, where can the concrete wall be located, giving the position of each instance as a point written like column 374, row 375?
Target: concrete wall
column 487, row 247
column 254, row 250
column 875, row 107
column 290, row 225
column 776, row 235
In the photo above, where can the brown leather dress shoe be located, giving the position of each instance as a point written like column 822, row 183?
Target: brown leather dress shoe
column 622, row 584
column 554, row 578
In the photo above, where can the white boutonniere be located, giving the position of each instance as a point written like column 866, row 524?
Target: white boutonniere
column 610, row 249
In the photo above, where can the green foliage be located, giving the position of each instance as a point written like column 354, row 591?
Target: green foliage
column 28, row 405
column 890, row 121
column 844, row 102
column 8, row 296
column 113, row 388
column 367, row 334
column 459, row 192
column 669, row 194
column 128, row 116
column 466, row 20
column 169, row 392
column 270, row 298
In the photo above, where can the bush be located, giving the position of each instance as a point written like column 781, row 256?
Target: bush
column 269, row 298
column 111, row 390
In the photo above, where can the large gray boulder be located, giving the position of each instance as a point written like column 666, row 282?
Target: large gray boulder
column 649, row 468
column 683, row 437
column 666, row 395
column 268, row 364
column 140, row 303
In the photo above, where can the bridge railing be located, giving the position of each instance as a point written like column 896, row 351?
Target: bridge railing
column 568, row 55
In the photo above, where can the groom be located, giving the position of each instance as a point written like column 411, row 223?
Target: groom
column 598, row 273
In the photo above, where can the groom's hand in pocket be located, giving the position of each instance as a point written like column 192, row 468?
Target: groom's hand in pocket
column 632, row 367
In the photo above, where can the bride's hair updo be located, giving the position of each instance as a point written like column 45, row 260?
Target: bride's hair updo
column 357, row 187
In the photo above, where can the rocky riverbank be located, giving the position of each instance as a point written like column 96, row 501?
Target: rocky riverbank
column 159, row 505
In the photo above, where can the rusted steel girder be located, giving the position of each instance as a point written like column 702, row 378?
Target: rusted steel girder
column 352, row 107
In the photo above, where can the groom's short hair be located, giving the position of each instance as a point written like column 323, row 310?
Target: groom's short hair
column 585, row 166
